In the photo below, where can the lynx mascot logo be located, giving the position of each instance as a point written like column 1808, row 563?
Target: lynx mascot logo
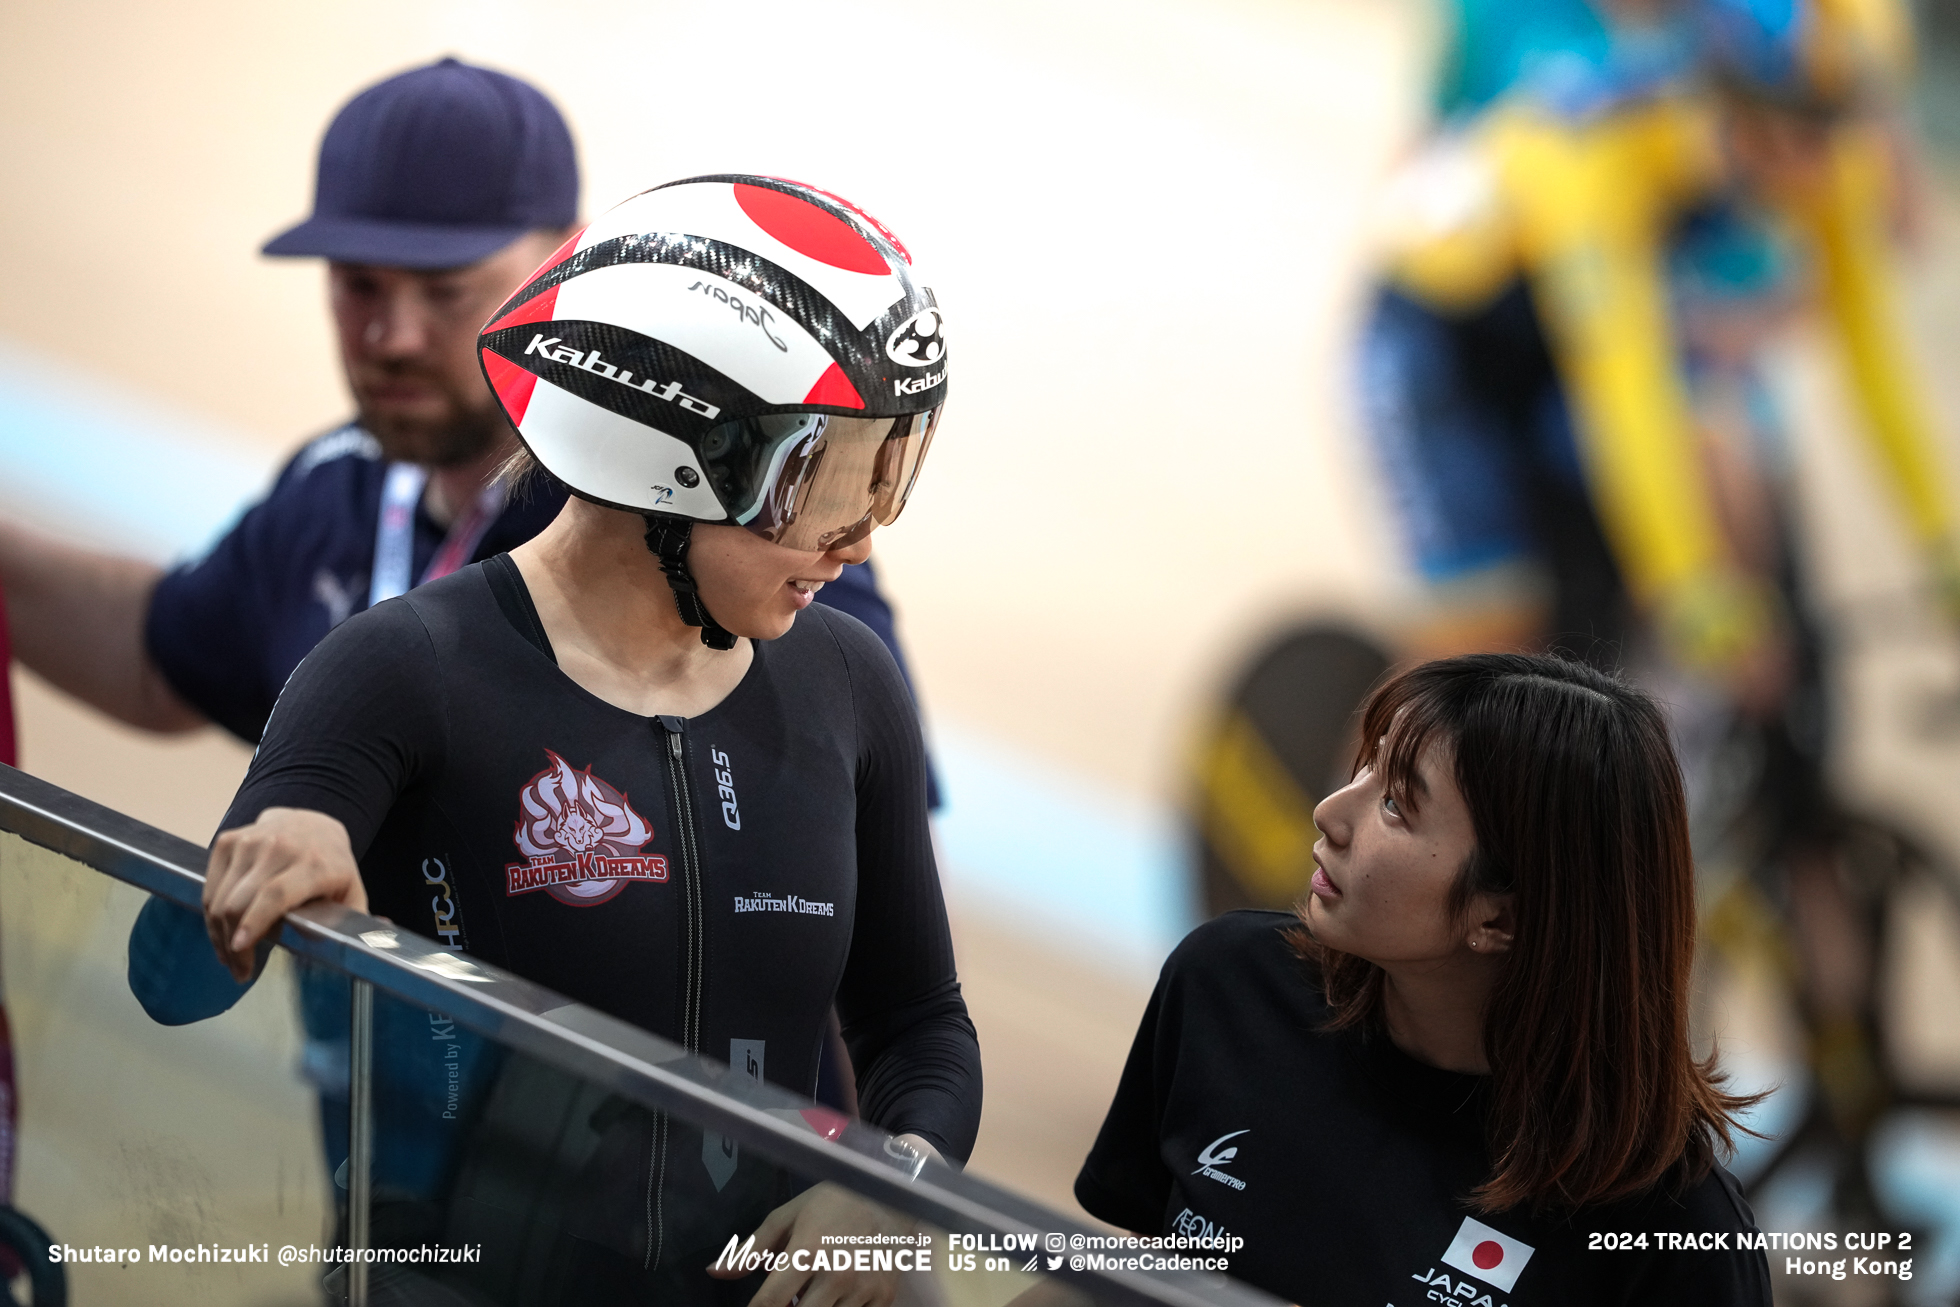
column 580, row 838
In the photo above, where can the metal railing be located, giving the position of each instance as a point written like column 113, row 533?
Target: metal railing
column 601, row 1049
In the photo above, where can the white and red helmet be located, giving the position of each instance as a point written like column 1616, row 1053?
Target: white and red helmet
column 728, row 349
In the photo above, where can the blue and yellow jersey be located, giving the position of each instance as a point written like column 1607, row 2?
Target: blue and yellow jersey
column 1581, row 205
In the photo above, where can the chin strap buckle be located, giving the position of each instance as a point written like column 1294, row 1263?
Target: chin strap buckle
column 668, row 539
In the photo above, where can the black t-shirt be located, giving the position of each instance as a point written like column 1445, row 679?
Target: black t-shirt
column 1344, row 1163
column 717, row 881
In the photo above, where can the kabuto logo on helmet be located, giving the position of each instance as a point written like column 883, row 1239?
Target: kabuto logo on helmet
column 919, row 342
column 598, row 367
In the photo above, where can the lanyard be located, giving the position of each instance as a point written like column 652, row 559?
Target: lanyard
column 394, row 536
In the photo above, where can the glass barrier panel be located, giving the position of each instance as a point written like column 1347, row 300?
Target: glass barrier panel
column 379, row 1120
column 186, row 1156
column 559, row 1190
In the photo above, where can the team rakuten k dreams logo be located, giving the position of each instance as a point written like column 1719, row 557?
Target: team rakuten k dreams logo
column 580, row 838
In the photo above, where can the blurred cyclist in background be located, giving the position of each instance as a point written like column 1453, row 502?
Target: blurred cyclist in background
column 1529, row 384
column 424, row 234
column 1561, row 379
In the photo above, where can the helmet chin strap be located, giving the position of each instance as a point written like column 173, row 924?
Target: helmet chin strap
column 668, row 539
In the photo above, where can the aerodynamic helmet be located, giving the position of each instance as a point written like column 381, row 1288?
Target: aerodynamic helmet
column 729, row 349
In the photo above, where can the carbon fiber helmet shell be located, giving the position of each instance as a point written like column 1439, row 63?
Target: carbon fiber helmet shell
column 696, row 304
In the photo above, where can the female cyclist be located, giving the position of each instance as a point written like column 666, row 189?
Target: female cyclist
column 1461, row 1072
column 615, row 761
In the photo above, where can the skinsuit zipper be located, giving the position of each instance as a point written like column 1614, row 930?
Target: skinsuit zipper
column 688, row 856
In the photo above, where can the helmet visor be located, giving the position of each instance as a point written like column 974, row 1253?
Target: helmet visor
column 815, row 480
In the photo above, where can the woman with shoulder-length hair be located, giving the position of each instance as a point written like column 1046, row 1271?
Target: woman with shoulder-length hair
column 1464, row 1067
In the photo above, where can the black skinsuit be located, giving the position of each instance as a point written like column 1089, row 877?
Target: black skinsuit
column 719, row 881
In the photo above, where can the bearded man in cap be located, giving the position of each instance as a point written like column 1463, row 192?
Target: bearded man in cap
column 438, row 191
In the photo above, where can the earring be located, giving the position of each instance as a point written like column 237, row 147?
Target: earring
column 1473, row 943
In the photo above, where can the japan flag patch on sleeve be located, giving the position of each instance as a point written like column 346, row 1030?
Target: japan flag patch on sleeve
column 1492, row 1257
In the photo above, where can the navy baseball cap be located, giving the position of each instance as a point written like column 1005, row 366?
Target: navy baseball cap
column 435, row 168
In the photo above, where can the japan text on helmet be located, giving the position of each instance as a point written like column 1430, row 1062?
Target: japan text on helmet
column 730, row 349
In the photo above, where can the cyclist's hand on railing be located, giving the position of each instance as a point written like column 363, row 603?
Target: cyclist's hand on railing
column 801, row 1223
column 1729, row 626
column 259, row 873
